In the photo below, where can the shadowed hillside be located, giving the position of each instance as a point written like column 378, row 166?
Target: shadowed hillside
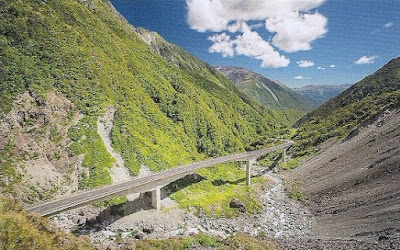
column 272, row 94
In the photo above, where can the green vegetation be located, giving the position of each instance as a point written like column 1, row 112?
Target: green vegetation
column 239, row 241
column 8, row 174
column 213, row 194
column 355, row 107
column 172, row 108
column 294, row 191
column 21, row 231
column 270, row 159
column 88, row 142
column 291, row 164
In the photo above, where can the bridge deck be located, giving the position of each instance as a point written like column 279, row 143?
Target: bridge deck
column 143, row 184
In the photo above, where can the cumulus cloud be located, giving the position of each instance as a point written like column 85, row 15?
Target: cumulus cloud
column 305, row 64
column 222, row 44
column 292, row 25
column 321, row 68
column 332, row 66
column 297, row 31
column 388, row 25
column 301, row 78
column 250, row 44
column 366, row 60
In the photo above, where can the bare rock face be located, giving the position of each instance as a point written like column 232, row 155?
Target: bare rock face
column 235, row 203
column 35, row 134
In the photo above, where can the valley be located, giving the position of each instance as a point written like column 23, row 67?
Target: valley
column 112, row 137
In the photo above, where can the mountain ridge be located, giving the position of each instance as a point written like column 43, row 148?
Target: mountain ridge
column 318, row 94
column 270, row 93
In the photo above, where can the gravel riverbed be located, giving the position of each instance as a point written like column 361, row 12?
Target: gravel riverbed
column 281, row 218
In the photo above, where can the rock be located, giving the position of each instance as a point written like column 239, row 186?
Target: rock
column 176, row 233
column 140, row 236
column 191, row 231
column 126, row 234
column 235, row 203
column 148, row 229
column 75, row 220
column 80, row 221
column 108, row 234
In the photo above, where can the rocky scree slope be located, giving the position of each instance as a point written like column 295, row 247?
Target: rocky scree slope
column 64, row 64
column 352, row 185
column 272, row 94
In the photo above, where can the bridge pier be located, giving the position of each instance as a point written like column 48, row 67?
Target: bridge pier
column 249, row 164
column 284, row 156
column 156, row 198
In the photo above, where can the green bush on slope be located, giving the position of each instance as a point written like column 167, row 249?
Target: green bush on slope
column 166, row 115
column 21, row 231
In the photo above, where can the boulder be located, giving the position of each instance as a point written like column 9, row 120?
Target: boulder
column 235, row 203
column 140, row 236
column 148, row 229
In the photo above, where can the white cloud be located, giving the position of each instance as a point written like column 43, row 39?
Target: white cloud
column 332, row 66
column 297, row 31
column 321, row 68
column 215, row 15
column 222, row 44
column 388, row 25
column 292, row 24
column 305, row 64
column 366, row 60
column 250, row 44
column 301, row 78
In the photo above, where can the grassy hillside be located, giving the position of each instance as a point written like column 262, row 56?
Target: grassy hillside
column 21, row 231
column 168, row 113
column 355, row 107
column 272, row 94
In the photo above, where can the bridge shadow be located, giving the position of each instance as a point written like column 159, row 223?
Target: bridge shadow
column 143, row 202
column 221, row 182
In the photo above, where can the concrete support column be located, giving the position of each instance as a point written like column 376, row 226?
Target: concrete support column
column 156, row 198
column 284, row 156
column 249, row 163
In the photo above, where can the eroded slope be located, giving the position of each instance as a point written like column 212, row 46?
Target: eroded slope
column 354, row 186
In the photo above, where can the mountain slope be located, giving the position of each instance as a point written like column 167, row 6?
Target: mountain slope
column 352, row 183
column 68, row 66
column 318, row 94
column 272, row 94
column 355, row 107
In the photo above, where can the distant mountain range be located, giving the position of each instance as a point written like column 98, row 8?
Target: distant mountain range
column 318, row 94
column 270, row 93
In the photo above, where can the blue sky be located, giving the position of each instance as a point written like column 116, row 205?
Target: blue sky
column 274, row 39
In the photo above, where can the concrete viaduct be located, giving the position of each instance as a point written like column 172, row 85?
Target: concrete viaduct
column 151, row 183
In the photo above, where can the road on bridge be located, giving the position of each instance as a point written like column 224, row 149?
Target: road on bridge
column 145, row 183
